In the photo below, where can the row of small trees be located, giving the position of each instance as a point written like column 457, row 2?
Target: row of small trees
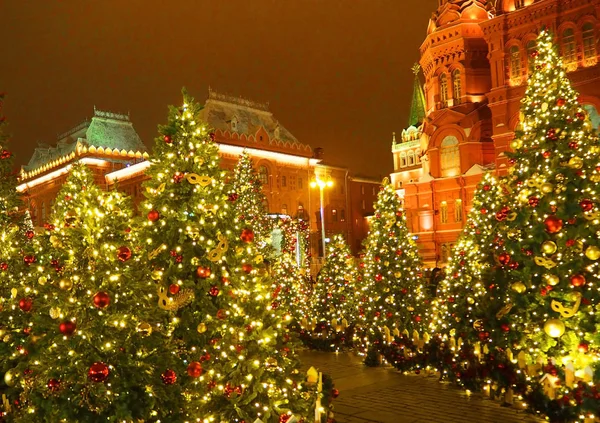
column 518, row 308
column 173, row 316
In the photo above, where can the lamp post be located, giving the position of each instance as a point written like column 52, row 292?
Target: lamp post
column 317, row 182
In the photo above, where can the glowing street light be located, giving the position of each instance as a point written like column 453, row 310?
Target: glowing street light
column 317, row 182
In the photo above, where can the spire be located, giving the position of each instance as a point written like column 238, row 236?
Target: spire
column 417, row 107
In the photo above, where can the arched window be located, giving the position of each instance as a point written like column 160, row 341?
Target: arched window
column 263, row 175
column 411, row 158
column 569, row 48
column 458, row 210
column 456, row 86
column 403, row 159
column 589, row 44
column 265, row 204
column 444, row 90
column 444, row 212
column 418, row 155
column 284, row 209
column 450, row 157
column 515, row 65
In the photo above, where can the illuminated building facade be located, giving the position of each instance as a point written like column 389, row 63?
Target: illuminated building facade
column 109, row 145
column 475, row 60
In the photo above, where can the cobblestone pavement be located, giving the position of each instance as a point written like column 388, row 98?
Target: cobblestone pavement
column 383, row 395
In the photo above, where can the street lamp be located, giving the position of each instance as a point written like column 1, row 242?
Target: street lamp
column 317, row 182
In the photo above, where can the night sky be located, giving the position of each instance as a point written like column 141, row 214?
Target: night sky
column 336, row 72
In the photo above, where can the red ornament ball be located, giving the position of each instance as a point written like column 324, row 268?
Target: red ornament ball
column 194, row 369
column 5, row 154
column 583, row 347
column 29, row 259
column 500, row 216
column 3, row 266
column 221, row 314
column 233, row 197
column 586, row 205
column 247, row 267
column 247, row 235
column 417, row 319
column 67, row 328
column 560, row 102
column 553, row 224
column 504, row 258
column 213, row 291
column 483, row 336
column 178, row 177
column 505, row 327
column 169, row 377
column 174, row 288
column 577, row 280
column 486, row 187
column 378, row 277
column 123, row 253
column 101, row 300
column 25, row 304
column 29, row 234
column 168, row 139
column 203, row 272
column 335, row 393
column 573, row 145
column 546, row 154
column 483, row 211
column 153, row 215
column 53, row 385
column 533, row 201
column 98, row 372
column 551, row 133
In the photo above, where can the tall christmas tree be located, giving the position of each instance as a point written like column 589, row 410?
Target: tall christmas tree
column 237, row 359
column 393, row 298
column 464, row 286
column 249, row 200
column 546, row 298
column 95, row 348
column 336, row 297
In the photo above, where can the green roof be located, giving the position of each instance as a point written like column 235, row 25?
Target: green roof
column 417, row 106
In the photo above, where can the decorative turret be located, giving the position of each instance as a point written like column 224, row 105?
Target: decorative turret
column 417, row 106
column 450, row 12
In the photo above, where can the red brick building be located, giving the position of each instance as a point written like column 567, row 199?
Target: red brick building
column 475, row 59
column 110, row 146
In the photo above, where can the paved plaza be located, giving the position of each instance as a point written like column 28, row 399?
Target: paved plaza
column 383, row 395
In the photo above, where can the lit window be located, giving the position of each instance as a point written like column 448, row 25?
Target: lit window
column 403, row 159
column 363, row 204
column 444, row 212
column 283, row 181
column 334, row 216
column 373, row 190
column 299, row 183
column 531, row 49
column 263, row 175
column 519, row 4
column 362, row 189
column 342, row 215
column 418, row 155
column 444, row 90
column 450, row 157
column 458, row 210
column 284, row 209
column 515, row 65
column 456, row 86
column 411, row 158
column 568, row 42
column 589, row 44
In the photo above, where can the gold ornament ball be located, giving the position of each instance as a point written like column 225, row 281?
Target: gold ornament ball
column 409, row 308
column 579, row 245
column 554, row 328
column 470, row 300
column 576, row 162
column 54, row 313
column 9, row 378
column 518, row 287
column 42, row 280
column 2, row 332
column 156, row 275
column 547, row 188
column 551, row 280
column 549, row 247
column 478, row 325
column 144, row 329
column 592, row 252
column 65, row 284
column 201, row 328
column 195, row 261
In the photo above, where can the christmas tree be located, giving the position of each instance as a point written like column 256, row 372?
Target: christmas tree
column 237, row 359
column 249, row 200
column 95, row 348
column 460, row 293
column 549, row 292
column 335, row 298
column 393, row 298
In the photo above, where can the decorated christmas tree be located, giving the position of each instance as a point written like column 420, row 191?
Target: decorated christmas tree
column 237, row 361
column 547, row 297
column 393, row 303
column 336, row 296
column 95, row 348
column 459, row 295
column 249, row 200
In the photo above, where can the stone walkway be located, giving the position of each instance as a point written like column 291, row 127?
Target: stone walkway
column 383, row 395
